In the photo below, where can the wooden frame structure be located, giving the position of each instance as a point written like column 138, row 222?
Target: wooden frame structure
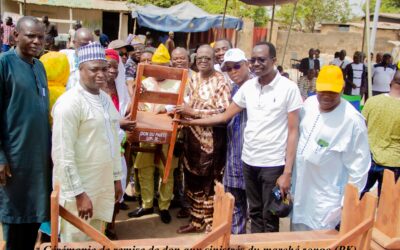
column 156, row 128
column 219, row 236
column 356, row 229
column 386, row 233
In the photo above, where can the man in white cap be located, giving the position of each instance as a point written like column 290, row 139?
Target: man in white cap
column 236, row 66
column 86, row 150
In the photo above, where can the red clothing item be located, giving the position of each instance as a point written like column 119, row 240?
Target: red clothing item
column 115, row 100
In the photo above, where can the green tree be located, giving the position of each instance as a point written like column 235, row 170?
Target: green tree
column 234, row 8
column 311, row 12
column 387, row 6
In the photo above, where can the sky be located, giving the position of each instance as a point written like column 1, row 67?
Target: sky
column 356, row 7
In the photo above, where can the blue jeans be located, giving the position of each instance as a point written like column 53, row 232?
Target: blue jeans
column 376, row 174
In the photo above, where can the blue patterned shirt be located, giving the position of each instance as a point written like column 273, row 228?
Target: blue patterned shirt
column 233, row 175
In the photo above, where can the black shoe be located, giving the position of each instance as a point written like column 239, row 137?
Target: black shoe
column 139, row 212
column 165, row 216
column 123, row 206
column 130, row 198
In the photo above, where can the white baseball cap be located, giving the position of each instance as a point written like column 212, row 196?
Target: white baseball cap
column 234, row 55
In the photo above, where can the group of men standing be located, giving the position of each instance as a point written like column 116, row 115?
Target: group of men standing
column 271, row 140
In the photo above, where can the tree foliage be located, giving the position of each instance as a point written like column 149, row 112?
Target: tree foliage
column 387, row 6
column 311, row 12
column 234, row 8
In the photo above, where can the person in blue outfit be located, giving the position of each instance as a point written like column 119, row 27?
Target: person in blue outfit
column 25, row 172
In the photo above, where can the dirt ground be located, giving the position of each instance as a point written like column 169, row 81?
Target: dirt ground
column 150, row 226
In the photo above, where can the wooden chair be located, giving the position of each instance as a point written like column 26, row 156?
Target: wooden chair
column 386, row 232
column 156, row 128
column 222, row 221
column 57, row 210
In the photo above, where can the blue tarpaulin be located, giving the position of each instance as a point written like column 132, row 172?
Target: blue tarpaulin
column 184, row 17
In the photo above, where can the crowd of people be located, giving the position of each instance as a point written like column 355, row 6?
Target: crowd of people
column 276, row 145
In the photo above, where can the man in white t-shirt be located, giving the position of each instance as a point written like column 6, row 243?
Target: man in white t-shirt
column 341, row 62
column 272, row 103
column 382, row 75
column 356, row 76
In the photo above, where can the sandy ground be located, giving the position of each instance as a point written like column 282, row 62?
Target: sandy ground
column 150, row 226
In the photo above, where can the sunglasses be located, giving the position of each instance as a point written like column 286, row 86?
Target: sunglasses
column 203, row 58
column 236, row 66
column 259, row 59
column 121, row 54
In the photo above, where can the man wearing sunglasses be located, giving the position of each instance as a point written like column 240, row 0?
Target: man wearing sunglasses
column 83, row 36
column 272, row 104
column 126, row 64
column 236, row 66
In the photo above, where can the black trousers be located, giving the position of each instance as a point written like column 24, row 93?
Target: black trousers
column 20, row 236
column 259, row 182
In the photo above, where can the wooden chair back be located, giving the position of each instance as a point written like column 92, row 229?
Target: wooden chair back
column 57, row 210
column 357, row 220
column 157, row 128
column 386, row 233
column 222, row 221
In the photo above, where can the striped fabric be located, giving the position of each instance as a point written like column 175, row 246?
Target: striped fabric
column 92, row 51
column 233, row 175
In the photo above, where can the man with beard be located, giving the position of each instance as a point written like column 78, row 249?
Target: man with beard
column 25, row 171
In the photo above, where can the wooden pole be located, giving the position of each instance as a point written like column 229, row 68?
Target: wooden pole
column 134, row 26
column 272, row 21
column 367, row 2
column 120, row 25
column 363, row 37
column 375, row 24
column 188, row 41
column 223, row 19
column 290, row 29
column 70, row 18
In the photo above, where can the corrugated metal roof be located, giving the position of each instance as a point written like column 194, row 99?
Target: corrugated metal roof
column 83, row 4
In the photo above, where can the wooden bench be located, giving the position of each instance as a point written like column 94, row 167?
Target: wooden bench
column 386, row 232
column 222, row 222
column 356, row 229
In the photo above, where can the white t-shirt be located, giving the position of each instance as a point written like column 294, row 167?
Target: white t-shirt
column 267, row 107
column 357, row 77
column 382, row 77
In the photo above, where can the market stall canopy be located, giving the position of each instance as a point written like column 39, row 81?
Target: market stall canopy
column 267, row 2
column 184, row 17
